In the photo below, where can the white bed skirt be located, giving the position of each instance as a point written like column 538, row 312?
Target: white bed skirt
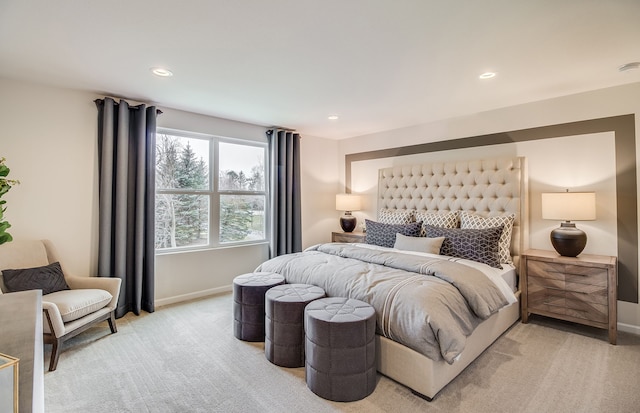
column 428, row 377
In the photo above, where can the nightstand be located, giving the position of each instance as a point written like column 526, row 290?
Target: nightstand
column 347, row 236
column 581, row 289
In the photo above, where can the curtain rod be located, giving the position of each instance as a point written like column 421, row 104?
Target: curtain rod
column 281, row 128
column 131, row 105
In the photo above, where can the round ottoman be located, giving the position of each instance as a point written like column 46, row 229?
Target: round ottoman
column 284, row 322
column 248, row 303
column 340, row 348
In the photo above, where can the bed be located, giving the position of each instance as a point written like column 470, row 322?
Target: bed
column 479, row 195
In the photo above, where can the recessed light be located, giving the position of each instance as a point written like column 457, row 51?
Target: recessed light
column 332, row 117
column 487, row 75
column 629, row 66
column 159, row 71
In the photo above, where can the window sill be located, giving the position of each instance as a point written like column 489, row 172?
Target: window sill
column 207, row 248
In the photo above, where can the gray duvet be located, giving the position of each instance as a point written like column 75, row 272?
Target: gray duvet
column 427, row 304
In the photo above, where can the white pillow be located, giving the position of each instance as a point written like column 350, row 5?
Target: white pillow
column 418, row 244
column 469, row 220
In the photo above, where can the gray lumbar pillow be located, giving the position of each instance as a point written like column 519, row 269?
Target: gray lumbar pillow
column 419, row 244
column 49, row 279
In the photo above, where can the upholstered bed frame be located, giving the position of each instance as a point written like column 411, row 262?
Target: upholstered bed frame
column 486, row 187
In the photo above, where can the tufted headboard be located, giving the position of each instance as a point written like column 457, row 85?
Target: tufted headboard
column 487, row 187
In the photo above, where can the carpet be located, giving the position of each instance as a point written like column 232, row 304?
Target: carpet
column 184, row 358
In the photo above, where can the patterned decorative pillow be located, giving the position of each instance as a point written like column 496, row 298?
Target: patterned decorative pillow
column 384, row 235
column 419, row 244
column 435, row 219
column 395, row 216
column 474, row 221
column 48, row 278
column 473, row 244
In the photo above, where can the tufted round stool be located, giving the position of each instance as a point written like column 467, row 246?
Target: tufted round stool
column 340, row 348
column 284, row 322
column 248, row 303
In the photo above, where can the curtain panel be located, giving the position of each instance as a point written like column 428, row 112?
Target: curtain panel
column 126, row 151
column 285, row 211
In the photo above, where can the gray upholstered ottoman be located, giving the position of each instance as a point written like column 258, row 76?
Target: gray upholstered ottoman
column 284, row 322
column 248, row 303
column 340, row 348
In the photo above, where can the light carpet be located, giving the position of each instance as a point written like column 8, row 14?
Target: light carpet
column 184, row 358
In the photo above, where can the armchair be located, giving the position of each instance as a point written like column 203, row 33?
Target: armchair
column 69, row 312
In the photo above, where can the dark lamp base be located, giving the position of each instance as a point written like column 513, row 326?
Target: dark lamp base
column 568, row 240
column 348, row 223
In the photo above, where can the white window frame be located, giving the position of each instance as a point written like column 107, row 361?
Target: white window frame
column 214, row 192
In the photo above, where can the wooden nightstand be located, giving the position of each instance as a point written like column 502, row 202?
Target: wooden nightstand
column 347, row 236
column 582, row 289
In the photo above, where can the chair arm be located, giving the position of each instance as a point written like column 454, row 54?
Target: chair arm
column 56, row 319
column 112, row 285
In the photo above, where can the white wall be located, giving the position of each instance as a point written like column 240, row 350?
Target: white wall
column 319, row 170
column 49, row 137
column 598, row 104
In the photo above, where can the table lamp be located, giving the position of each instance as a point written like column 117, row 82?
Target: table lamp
column 348, row 203
column 568, row 240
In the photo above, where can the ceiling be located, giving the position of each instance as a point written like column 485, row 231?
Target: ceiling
column 377, row 64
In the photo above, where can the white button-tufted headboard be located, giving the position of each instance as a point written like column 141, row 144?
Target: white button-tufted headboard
column 486, row 187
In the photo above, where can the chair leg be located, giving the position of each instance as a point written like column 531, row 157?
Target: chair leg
column 56, row 342
column 55, row 346
column 112, row 322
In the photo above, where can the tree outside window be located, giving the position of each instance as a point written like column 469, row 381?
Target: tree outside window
column 188, row 202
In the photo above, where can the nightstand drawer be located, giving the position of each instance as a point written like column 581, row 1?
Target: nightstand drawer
column 347, row 237
column 594, row 312
column 544, row 269
column 578, row 291
column 568, row 273
column 597, row 296
column 565, row 303
column 535, row 280
column 540, row 297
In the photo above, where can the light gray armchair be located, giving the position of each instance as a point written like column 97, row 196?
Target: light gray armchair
column 69, row 312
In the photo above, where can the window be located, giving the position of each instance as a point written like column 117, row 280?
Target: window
column 194, row 209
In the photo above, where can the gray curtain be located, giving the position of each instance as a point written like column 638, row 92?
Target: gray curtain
column 284, row 157
column 126, row 151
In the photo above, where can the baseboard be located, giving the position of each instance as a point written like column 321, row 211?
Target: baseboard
column 629, row 328
column 192, row 296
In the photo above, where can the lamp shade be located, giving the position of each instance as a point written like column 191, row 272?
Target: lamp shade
column 348, row 202
column 569, row 206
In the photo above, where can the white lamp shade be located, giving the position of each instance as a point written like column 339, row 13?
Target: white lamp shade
column 569, row 206
column 348, row 202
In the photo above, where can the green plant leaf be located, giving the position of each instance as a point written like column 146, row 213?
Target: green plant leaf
column 5, row 237
column 5, row 186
